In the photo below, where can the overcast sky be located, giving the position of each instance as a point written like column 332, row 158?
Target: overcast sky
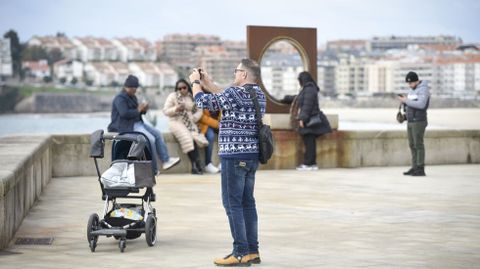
column 341, row 19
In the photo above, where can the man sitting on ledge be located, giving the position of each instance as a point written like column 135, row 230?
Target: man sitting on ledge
column 127, row 117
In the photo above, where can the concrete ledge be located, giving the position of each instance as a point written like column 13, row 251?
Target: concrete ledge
column 281, row 121
column 338, row 149
column 370, row 148
column 25, row 169
column 29, row 162
column 71, row 156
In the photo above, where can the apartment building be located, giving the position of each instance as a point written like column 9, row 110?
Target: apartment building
column 36, row 70
column 158, row 75
column 179, row 49
column 219, row 63
column 6, row 69
column 62, row 43
column 95, row 49
column 383, row 43
column 68, row 70
column 351, row 77
column 103, row 73
column 135, row 49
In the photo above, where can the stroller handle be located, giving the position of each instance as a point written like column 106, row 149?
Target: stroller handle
column 110, row 136
column 97, row 142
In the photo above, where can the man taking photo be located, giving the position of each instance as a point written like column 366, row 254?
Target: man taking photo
column 239, row 153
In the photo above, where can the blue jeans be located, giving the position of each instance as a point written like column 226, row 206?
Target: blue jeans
column 238, row 182
column 159, row 149
column 210, row 135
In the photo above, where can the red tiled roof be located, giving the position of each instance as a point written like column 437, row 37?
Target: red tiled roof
column 94, row 42
column 41, row 65
column 466, row 58
column 439, row 47
column 131, row 42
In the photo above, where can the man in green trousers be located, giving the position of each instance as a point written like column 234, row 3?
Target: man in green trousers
column 416, row 103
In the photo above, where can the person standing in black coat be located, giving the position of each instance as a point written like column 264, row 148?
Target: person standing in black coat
column 304, row 109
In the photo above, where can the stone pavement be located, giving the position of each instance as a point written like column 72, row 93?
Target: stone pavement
column 332, row 218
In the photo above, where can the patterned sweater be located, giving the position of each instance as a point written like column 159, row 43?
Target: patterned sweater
column 238, row 132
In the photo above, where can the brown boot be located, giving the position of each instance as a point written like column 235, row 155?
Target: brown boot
column 254, row 258
column 230, row 260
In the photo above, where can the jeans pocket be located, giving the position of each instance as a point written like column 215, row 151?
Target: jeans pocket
column 243, row 165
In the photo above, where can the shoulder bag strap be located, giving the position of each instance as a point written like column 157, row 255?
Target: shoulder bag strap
column 257, row 107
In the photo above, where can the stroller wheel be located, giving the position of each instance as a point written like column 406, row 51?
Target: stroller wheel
column 92, row 225
column 93, row 245
column 122, row 244
column 151, row 230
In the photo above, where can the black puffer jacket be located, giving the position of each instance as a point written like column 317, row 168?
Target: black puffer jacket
column 307, row 101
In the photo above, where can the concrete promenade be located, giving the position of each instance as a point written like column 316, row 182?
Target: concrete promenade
column 332, row 218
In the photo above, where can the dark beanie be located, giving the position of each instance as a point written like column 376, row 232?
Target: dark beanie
column 411, row 77
column 131, row 82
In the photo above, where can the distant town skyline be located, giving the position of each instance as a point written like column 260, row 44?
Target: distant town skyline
column 341, row 19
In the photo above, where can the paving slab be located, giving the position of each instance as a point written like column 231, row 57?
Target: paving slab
column 332, row 218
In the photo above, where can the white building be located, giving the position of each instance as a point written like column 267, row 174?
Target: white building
column 281, row 81
column 135, row 49
column 62, row 43
column 348, row 45
column 425, row 71
column 458, row 76
column 351, row 77
column 36, row 70
column 450, row 70
column 236, row 49
column 5, row 58
column 68, row 70
column 105, row 74
column 326, row 76
column 95, row 49
column 402, row 42
column 179, row 50
column 157, row 75
column 219, row 63
column 380, row 77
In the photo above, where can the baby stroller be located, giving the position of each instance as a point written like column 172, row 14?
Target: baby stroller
column 130, row 171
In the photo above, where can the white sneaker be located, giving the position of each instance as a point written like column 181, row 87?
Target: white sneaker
column 170, row 163
column 219, row 167
column 211, row 169
column 304, row 167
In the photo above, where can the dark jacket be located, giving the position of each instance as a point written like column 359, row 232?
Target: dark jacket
column 124, row 113
column 308, row 105
column 417, row 102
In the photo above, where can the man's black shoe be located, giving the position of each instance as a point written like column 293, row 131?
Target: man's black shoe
column 409, row 172
column 419, row 172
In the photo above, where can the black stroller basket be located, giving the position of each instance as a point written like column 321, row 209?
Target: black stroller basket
column 131, row 148
column 131, row 170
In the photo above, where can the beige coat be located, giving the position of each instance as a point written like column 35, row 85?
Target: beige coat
column 184, row 137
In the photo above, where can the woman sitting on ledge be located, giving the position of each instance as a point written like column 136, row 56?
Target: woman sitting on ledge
column 183, row 116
